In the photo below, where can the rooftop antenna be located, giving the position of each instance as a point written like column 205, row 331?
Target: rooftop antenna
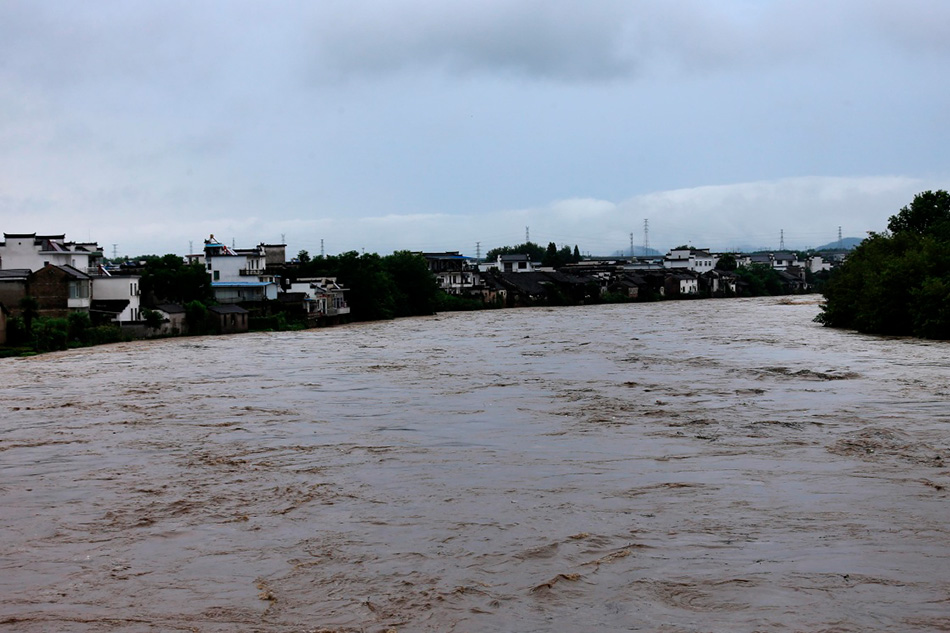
column 781, row 240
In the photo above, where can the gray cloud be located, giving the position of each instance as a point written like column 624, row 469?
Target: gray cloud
column 606, row 40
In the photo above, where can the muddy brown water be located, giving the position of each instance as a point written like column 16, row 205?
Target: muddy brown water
column 686, row 466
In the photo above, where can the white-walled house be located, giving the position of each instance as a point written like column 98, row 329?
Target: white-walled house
column 32, row 251
column 509, row 264
column 694, row 259
column 779, row 260
column 323, row 296
column 116, row 297
column 455, row 273
column 238, row 275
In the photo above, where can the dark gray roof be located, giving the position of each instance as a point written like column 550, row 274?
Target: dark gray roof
column 15, row 273
column 74, row 272
column 170, row 308
column 227, row 309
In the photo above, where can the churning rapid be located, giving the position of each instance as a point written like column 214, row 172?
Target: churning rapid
column 719, row 465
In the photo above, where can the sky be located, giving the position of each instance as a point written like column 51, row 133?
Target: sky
column 377, row 126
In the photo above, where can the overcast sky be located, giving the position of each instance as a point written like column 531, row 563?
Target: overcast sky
column 434, row 125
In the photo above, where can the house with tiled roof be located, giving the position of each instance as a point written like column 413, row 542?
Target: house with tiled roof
column 60, row 290
column 33, row 251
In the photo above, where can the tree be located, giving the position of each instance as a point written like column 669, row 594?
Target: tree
column 169, row 278
column 303, row 257
column 196, row 316
column 153, row 319
column 534, row 251
column 417, row 291
column 30, row 309
column 727, row 262
column 928, row 214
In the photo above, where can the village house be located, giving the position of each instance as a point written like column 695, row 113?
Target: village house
column 719, row 283
column 454, row 272
column 60, row 290
column 692, row 259
column 680, row 284
column 238, row 276
column 320, row 296
column 227, row 319
column 509, row 264
column 32, row 251
column 116, row 297
column 173, row 319
column 13, row 287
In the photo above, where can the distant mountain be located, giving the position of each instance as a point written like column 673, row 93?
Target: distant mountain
column 846, row 243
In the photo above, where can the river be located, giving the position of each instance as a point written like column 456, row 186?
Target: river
column 717, row 465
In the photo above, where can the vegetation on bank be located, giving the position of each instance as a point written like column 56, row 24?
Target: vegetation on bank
column 29, row 333
column 379, row 287
column 550, row 257
column 897, row 282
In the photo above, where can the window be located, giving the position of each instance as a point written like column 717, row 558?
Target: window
column 216, row 275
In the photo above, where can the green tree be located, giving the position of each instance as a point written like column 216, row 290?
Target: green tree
column 303, row 257
column 29, row 310
column 168, row 278
column 760, row 279
column 153, row 319
column 928, row 214
column 727, row 262
column 196, row 316
column 416, row 289
column 534, row 251
column 78, row 325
